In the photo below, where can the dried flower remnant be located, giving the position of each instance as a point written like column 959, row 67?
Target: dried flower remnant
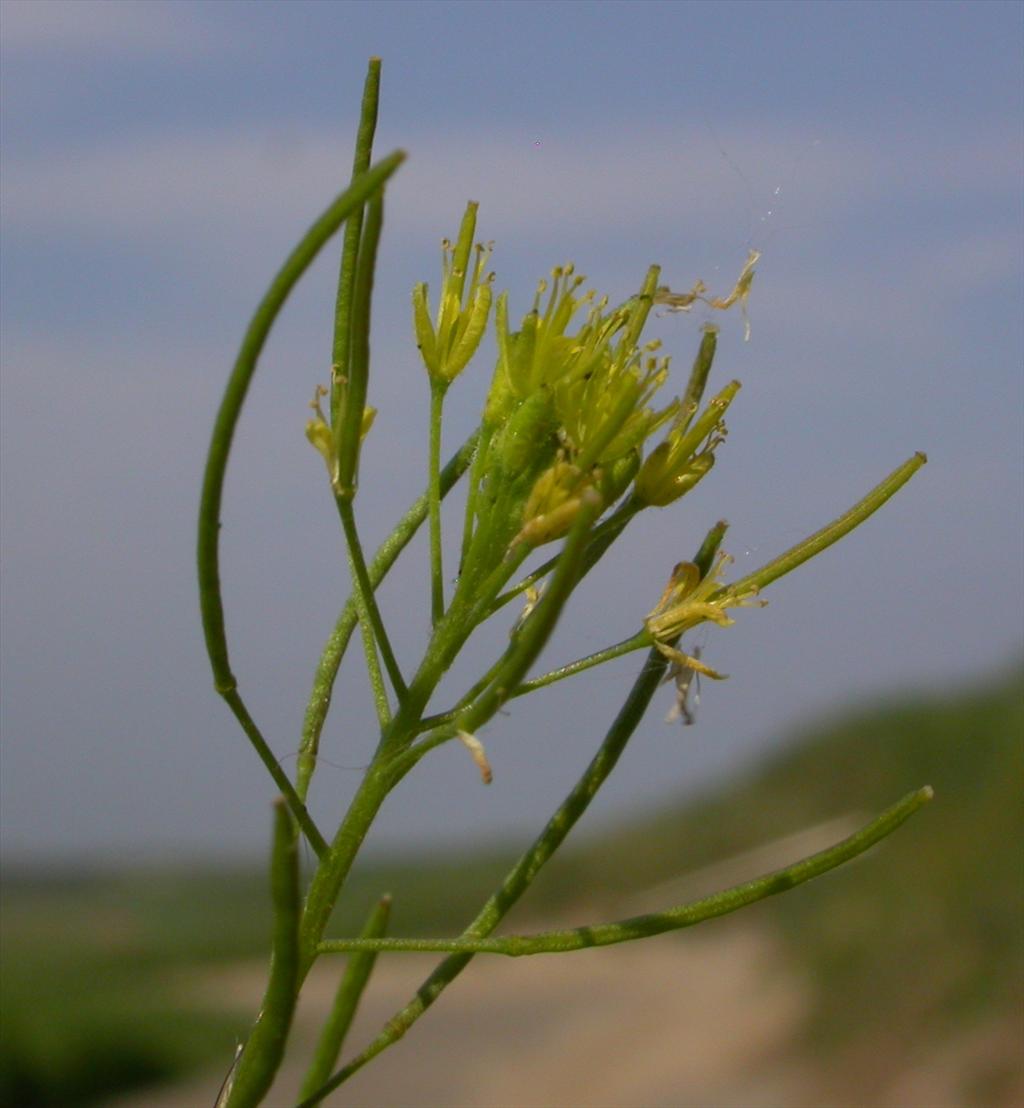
column 684, row 301
column 478, row 754
column 686, row 678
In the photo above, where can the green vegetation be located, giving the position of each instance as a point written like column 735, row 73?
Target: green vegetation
column 919, row 944
column 88, row 980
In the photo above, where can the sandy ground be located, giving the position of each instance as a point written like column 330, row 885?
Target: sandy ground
column 673, row 1022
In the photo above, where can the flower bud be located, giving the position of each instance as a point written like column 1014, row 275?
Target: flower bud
column 687, row 453
column 660, row 483
column 553, row 503
column 614, row 479
column 447, row 346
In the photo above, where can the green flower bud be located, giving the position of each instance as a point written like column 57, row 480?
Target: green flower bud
column 472, row 325
column 659, row 483
column 687, row 453
column 426, row 340
column 614, row 479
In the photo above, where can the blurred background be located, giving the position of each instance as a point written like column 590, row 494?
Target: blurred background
column 159, row 160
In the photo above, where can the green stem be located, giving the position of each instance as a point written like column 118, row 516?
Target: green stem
column 254, row 1070
column 346, row 1000
column 522, row 874
column 437, row 391
column 266, row 756
column 464, row 614
column 373, row 671
column 334, row 649
column 601, row 538
column 367, row 600
column 386, row 771
column 640, row 640
column 829, row 534
column 686, row 915
column 535, row 632
column 336, row 863
column 475, row 477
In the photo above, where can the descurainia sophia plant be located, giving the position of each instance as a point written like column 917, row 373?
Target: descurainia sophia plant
column 564, row 453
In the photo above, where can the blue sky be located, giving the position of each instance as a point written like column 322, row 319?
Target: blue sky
column 159, row 159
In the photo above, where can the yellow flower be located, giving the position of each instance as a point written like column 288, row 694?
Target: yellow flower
column 600, row 381
column 689, row 600
column 448, row 345
column 686, row 454
column 319, row 432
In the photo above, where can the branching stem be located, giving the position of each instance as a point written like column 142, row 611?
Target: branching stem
column 686, row 915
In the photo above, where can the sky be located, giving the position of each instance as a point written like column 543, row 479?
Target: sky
column 161, row 159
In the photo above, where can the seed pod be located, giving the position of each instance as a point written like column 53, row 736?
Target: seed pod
column 529, row 434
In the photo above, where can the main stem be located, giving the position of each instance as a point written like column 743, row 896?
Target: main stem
column 437, row 391
column 335, row 865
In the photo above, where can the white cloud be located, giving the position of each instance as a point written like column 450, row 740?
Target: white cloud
column 671, row 186
column 670, row 177
column 103, row 27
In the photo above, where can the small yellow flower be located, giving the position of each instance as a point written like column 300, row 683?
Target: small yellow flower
column 687, row 453
column 689, row 601
column 319, row 433
column 447, row 345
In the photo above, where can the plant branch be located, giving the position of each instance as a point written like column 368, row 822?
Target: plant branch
column 374, row 673
column 828, row 534
column 334, row 649
column 437, row 392
column 280, row 778
column 601, row 538
column 366, row 598
column 522, row 874
column 686, row 915
column 638, row 641
column 350, row 990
